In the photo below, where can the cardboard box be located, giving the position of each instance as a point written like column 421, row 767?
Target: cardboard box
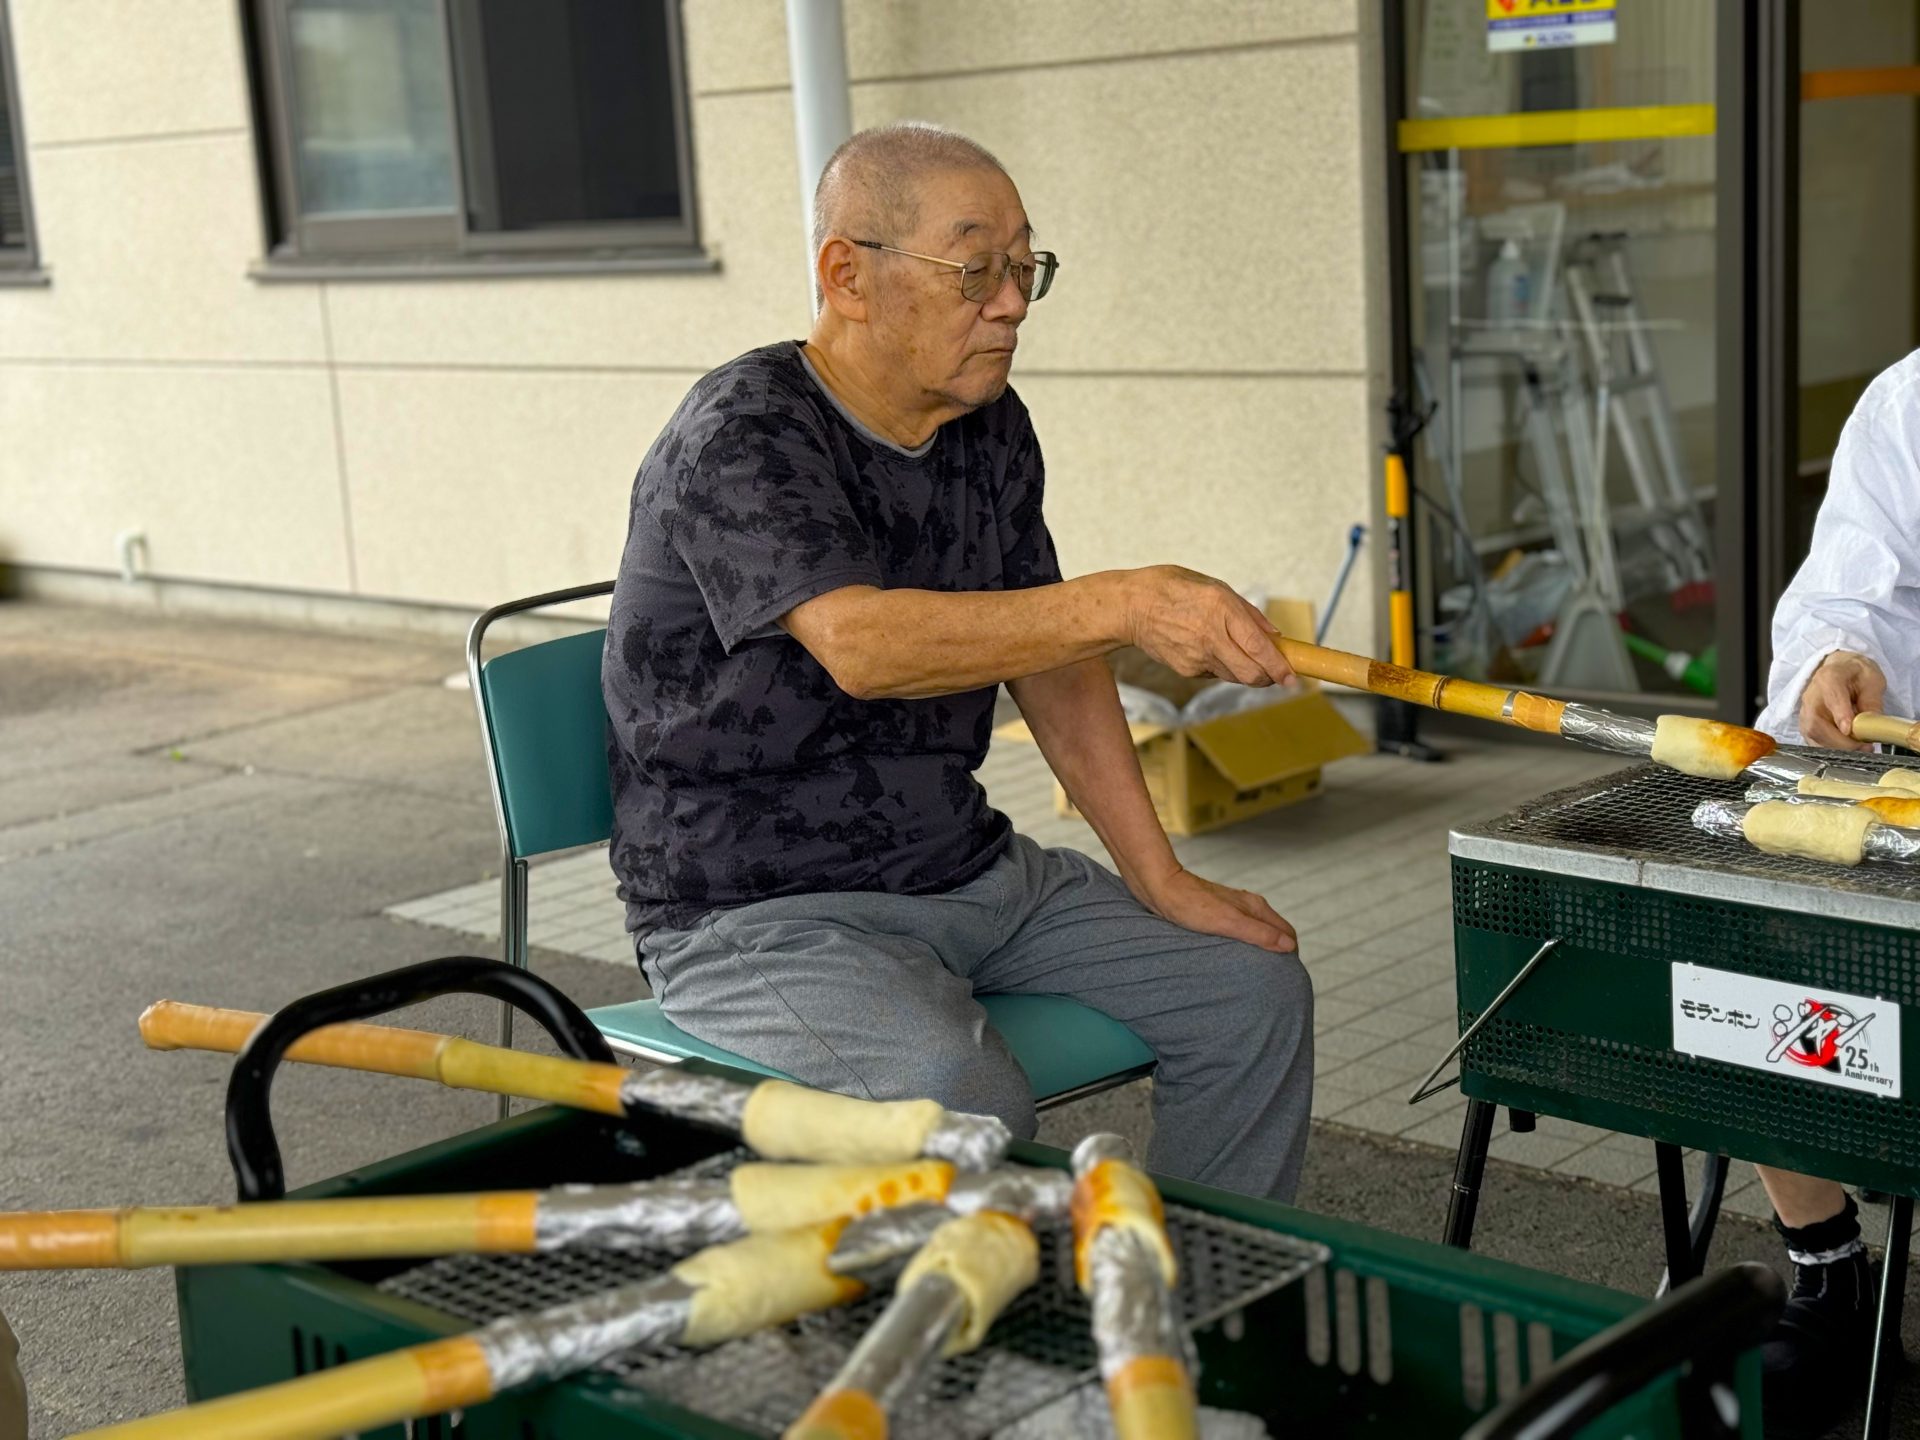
column 1219, row 771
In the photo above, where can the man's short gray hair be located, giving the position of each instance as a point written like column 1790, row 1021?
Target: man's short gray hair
column 869, row 190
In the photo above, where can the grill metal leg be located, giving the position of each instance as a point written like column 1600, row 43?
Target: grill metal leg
column 1702, row 1217
column 1475, row 1135
column 1886, row 1335
column 1675, row 1227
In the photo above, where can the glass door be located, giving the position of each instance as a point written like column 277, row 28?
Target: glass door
column 1560, row 330
column 1859, row 284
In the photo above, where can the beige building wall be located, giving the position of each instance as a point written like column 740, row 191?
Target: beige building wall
column 1199, row 376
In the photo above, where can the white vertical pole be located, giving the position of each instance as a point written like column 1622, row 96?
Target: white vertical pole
column 822, row 114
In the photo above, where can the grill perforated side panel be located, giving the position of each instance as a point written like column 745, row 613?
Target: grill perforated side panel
column 1597, row 922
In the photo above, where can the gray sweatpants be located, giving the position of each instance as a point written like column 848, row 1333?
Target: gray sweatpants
column 873, row 995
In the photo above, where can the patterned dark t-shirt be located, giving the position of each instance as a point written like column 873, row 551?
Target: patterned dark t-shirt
column 740, row 770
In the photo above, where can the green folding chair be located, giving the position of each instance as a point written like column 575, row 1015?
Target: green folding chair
column 544, row 723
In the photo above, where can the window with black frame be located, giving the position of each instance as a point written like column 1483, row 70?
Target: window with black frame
column 16, row 227
column 474, row 128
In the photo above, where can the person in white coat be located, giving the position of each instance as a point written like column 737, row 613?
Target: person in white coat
column 1846, row 639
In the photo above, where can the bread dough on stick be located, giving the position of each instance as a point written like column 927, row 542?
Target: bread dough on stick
column 791, row 1122
column 1834, row 833
column 1115, row 1193
column 1707, row 748
column 779, row 1197
column 763, row 1280
column 1841, row 789
column 990, row 1258
column 1901, row 779
column 1896, row 809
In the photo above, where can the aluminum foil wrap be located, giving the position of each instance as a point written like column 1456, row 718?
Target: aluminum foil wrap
column 971, row 1142
column 1098, row 1147
column 1721, row 817
column 1789, row 767
column 1603, row 730
column 1891, row 842
column 898, row 1350
column 677, row 1215
column 703, row 1099
column 1132, row 1312
column 1024, row 1191
column 567, row 1339
column 877, row 1246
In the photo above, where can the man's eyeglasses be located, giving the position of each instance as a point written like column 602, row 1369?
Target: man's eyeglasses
column 981, row 276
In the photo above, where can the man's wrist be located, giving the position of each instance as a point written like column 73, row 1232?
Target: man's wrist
column 1109, row 601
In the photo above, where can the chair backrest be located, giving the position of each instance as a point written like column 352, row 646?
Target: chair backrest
column 546, row 724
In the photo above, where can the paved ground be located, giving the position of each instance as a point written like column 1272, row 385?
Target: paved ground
column 224, row 813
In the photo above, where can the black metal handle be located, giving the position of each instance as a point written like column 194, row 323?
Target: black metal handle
column 1703, row 1327
column 250, row 1140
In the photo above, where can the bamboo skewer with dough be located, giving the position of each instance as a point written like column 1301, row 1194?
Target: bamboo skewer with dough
column 780, row 1120
column 948, row 1298
column 677, row 1215
column 720, row 1294
column 1124, row 1260
column 1836, row 833
column 1688, row 743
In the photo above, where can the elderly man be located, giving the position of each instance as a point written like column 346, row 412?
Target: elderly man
column 1846, row 639
column 836, row 553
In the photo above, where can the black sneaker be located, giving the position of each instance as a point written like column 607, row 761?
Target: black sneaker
column 1814, row 1365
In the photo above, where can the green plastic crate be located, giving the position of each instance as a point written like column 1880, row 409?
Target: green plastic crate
column 1615, row 871
column 1402, row 1365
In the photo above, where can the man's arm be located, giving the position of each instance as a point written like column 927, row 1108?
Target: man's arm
column 1074, row 713
column 912, row 644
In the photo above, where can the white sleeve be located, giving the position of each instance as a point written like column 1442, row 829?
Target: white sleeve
column 1860, row 586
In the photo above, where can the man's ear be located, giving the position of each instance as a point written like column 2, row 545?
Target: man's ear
column 843, row 279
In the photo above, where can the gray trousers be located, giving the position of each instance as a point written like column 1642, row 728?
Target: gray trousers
column 873, row 995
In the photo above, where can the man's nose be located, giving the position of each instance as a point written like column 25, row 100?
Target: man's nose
column 1006, row 303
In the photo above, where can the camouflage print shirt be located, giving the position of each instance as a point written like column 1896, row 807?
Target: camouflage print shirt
column 740, row 770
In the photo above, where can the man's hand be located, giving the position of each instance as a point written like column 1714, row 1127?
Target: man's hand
column 1845, row 684
column 1199, row 626
column 1184, row 898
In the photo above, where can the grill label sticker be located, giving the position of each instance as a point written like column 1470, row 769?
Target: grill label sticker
column 1795, row 1030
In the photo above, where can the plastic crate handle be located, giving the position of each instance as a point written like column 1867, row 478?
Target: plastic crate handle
column 1704, row 1326
column 251, row 1145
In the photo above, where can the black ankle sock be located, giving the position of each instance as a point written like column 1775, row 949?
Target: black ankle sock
column 1824, row 1242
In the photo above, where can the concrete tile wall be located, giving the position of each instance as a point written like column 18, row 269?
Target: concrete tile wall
column 1200, row 375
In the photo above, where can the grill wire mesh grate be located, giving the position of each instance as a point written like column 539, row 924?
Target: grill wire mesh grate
column 1645, row 813
column 1040, row 1349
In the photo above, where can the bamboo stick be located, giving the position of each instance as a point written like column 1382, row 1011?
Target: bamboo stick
column 1420, row 687
column 389, row 1050
column 277, row 1231
column 1887, row 730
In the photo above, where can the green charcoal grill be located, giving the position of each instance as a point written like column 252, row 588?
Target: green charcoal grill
column 1304, row 1321
column 1618, row 967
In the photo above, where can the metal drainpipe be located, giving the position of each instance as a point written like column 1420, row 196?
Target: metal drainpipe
column 822, row 114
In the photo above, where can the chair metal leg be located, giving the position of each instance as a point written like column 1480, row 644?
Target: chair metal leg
column 1476, row 1133
column 1886, row 1334
column 1675, row 1225
column 513, row 943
